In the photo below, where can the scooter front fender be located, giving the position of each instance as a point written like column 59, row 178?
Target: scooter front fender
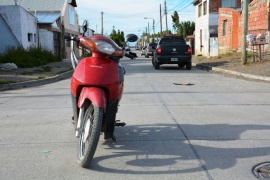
column 96, row 95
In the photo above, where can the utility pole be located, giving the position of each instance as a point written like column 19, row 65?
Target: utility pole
column 101, row 23
column 166, row 17
column 245, row 29
column 148, row 29
column 160, row 20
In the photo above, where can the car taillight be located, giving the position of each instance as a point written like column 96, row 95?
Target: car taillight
column 189, row 50
column 158, row 50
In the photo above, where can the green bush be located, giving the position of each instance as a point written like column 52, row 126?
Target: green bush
column 31, row 57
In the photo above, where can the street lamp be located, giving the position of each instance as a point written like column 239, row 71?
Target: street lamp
column 153, row 23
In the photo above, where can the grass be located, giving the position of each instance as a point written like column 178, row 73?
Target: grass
column 27, row 58
column 7, row 82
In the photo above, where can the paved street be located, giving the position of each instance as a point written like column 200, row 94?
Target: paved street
column 209, row 126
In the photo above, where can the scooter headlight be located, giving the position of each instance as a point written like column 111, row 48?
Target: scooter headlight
column 105, row 47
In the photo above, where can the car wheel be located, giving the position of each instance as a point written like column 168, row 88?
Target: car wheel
column 188, row 66
column 181, row 65
column 155, row 64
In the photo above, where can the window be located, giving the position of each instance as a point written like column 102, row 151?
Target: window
column 204, row 7
column 200, row 10
column 225, row 22
column 71, row 16
column 228, row 3
column 30, row 37
column 35, row 38
column 67, row 42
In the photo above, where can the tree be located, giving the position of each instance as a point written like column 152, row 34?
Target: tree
column 186, row 28
column 182, row 28
column 118, row 37
column 176, row 21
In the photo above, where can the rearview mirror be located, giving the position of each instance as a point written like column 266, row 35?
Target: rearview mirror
column 132, row 37
column 85, row 26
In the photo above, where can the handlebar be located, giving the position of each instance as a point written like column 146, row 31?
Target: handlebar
column 71, row 38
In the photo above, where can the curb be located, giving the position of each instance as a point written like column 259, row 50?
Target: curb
column 215, row 69
column 39, row 82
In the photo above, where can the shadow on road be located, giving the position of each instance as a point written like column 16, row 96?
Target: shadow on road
column 141, row 153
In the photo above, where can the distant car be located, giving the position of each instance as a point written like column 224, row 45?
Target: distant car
column 143, row 49
column 127, row 48
column 150, row 49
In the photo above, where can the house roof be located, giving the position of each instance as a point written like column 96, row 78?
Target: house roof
column 40, row 5
column 48, row 17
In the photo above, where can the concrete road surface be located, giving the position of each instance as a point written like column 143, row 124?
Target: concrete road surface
column 205, row 126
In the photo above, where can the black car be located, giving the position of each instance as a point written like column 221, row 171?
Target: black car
column 172, row 50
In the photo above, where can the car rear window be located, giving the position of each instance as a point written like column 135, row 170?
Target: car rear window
column 152, row 44
column 172, row 40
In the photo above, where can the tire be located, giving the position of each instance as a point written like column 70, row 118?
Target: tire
column 155, row 64
column 188, row 66
column 86, row 150
column 181, row 64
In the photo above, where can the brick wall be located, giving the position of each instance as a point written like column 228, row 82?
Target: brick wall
column 257, row 19
column 258, row 22
column 230, row 40
column 214, row 5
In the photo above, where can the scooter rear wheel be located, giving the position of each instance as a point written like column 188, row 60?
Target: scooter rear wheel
column 89, row 137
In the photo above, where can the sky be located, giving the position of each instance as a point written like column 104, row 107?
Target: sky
column 128, row 15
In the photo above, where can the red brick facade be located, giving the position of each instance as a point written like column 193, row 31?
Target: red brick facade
column 214, row 5
column 258, row 23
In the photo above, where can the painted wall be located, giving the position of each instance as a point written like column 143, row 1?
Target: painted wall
column 72, row 29
column 8, row 40
column 206, row 24
column 46, row 39
column 21, row 23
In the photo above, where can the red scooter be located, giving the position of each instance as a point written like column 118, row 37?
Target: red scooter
column 96, row 89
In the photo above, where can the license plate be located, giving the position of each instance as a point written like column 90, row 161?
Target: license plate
column 174, row 59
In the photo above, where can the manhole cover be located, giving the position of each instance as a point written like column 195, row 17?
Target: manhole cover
column 262, row 171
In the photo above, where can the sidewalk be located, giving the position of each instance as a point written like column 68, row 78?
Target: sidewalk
column 232, row 65
column 28, row 77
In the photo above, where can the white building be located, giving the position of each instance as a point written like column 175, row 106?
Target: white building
column 54, row 19
column 17, row 27
column 206, row 25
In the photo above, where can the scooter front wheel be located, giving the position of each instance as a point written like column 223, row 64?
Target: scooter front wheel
column 90, row 133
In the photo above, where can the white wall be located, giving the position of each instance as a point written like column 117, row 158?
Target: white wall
column 46, row 39
column 202, row 23
column 28, row 25
column 21, row 23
